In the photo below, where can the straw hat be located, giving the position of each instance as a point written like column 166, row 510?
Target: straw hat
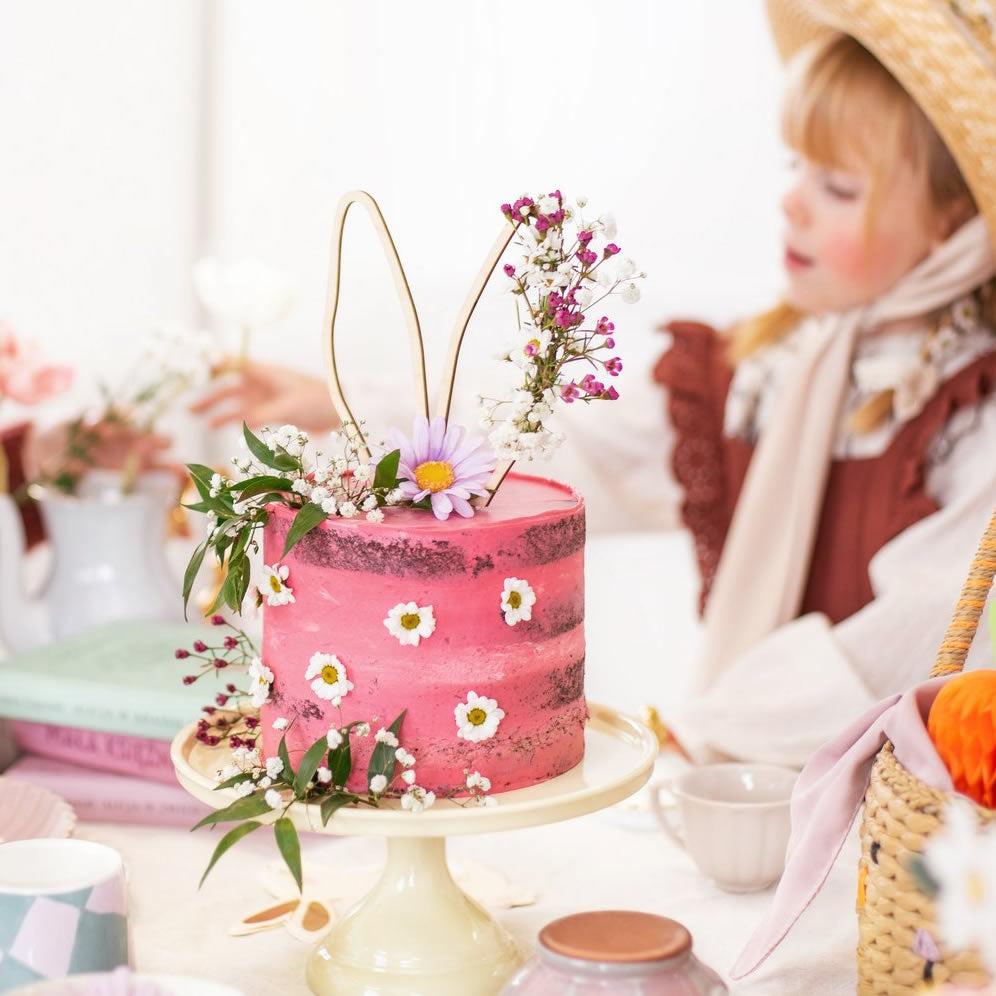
column 943, row 52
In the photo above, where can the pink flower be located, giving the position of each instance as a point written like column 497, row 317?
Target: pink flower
column 604, row 326
column 444, row 464
column 610, row 250
column 531, row 348
column 587, row 256
column 609, row 342
column 569, row 392
column 590, row 385
column 509, row 270
column 22, row 375
column 585, row 237
column 563, row 318
column 610, row 395
column 542, row 224
column 614, row 366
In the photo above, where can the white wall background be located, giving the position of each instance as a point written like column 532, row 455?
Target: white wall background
column 138, row 137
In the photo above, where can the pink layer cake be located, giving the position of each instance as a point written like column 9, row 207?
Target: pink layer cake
column 346, row 576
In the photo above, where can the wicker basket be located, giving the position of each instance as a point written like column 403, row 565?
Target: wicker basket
column 900, row 812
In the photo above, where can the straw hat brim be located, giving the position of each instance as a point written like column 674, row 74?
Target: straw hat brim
column 944, row 56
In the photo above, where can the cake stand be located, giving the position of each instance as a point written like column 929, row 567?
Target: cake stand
column 417, row 933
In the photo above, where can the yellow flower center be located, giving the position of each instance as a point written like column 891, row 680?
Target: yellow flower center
column 410, row 620
column 275, row 583
column 330, row 674
column 514, row 599
column 476, row 716
column 434, row 475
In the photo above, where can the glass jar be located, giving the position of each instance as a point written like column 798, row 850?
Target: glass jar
column 621, row 952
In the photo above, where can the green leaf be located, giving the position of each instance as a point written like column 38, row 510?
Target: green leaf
column 201, row 476
column 386, row 475
column 232, row 837
column 190, row 575
column 290, row 847
column 308, row 766
column 266, row 456
column 340, row 762
column 199, row 506
column 288, row 772
column 382, row 760
column 241, row 809
column 305, row 520
column 229, row 782
column 334, row 802
column 254, row 486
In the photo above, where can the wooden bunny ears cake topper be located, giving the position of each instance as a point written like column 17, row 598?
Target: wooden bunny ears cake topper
column 444, row 397
column 566, row 269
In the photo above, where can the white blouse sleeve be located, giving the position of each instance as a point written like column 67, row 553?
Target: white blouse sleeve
column 802, row 684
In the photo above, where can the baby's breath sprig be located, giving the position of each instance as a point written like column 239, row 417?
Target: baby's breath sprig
column 282, row 468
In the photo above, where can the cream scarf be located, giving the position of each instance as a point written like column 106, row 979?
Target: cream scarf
column 765, row 563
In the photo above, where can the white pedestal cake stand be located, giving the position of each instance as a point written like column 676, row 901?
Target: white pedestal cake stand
column 417, row 933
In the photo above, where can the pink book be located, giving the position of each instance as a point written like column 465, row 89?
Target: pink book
column 101, row 797
column 117, row 752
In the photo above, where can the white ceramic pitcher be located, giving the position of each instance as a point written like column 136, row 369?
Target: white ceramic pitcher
column 108, row 559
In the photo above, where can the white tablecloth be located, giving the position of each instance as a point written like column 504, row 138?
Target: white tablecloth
column 641, row 639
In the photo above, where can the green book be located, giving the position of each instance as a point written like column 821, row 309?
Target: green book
column 121, row 677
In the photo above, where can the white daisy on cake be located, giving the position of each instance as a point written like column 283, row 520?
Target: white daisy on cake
column 330, row 681
column 274, row 589
column 410, row 623
column 517, row 601
column 260, row 679
column 478, row 718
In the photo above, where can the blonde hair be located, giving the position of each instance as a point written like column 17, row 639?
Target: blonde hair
column 840, row 100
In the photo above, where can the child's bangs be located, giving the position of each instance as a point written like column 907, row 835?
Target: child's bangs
column 841, row 103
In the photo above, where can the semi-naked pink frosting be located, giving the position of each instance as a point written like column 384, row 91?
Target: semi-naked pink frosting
column 347, row 574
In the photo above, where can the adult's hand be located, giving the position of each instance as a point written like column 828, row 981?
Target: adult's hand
column 268, row 394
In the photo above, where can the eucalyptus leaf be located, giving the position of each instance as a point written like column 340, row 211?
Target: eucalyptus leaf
column 305, row 520
column 336, row 802
column 232, row 837
column 254, row 486
column 266, row 456
column 308, row 766
column 386, row 475
column 288, row 772
column 229, row 782
column 190, row 575
column 382, row 759
column 340, row 762
column 290, row 847
column 241, row 809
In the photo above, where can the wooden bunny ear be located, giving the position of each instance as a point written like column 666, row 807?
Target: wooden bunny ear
column 312, row 920
column 404, row 294
column 445, row 397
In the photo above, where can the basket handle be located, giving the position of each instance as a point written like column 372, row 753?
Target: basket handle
column 958, row 638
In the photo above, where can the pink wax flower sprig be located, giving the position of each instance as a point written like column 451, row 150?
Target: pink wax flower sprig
column 24, row 378
column 229, row 718
column 443, row 465
column 568, row 267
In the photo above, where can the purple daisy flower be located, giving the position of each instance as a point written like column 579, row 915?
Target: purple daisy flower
column 443, row 462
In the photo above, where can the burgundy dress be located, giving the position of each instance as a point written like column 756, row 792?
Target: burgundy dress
column 867, row 500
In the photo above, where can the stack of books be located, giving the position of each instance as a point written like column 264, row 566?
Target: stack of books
column 94, row 716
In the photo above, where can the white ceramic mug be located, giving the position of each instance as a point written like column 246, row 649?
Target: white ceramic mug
column 62, row 910
column 734, row 821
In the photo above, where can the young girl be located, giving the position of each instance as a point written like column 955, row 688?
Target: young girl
column 837, row 453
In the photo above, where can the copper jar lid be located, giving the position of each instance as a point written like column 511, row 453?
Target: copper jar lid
column 620, row 936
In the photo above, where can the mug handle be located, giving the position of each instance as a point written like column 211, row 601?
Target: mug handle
column 663, row 811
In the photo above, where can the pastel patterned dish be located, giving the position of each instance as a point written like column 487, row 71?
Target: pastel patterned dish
column 27, row 812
